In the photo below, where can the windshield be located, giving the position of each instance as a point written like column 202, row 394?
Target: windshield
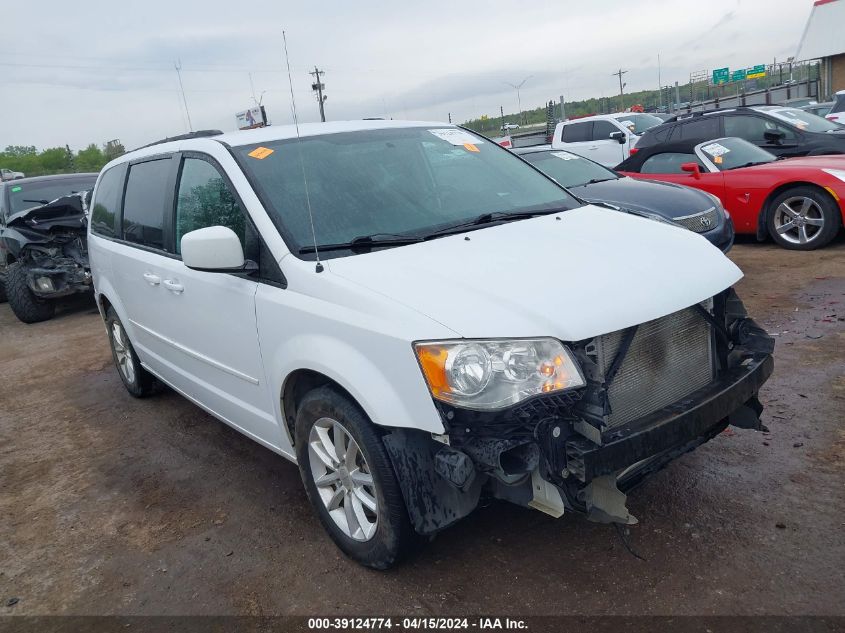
column 638, row 122
column 730, row 153
column 806, row 121
column 34, row 194
column 406, row 181
column 569, row 169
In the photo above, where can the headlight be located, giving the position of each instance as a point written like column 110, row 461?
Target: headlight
column 716, row 201
column 494, row 374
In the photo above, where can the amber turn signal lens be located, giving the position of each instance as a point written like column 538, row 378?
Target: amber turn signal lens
column 433, row 363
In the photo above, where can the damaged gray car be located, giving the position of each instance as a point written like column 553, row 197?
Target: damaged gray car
column 43, row 247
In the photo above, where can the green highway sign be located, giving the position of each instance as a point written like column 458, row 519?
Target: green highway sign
column 721, row 76
column 738, row 75
column 755, row 72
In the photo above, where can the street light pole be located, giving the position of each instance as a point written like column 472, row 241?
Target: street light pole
column 518, row 99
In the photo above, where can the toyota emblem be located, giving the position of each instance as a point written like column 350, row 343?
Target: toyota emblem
column 704, row 221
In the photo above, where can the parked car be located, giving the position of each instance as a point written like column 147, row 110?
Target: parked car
column 799, row 202
column 783, row 131
column 837, row 110
column 819, row 109
column 605, row 138
column 418, row 318
column 43, row 253
column 507, row 127
column 8, row 174
column 696, row 210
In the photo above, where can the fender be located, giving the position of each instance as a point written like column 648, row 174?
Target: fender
column 398, row 399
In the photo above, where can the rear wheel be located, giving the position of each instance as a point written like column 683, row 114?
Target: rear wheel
column 803, row 218
column 137, row 380
column 2, row 283
column 350, row 481
column 26, row 306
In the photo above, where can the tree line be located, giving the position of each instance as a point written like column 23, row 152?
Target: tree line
column 59, row 160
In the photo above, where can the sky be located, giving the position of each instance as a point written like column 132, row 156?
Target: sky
column 91, row 71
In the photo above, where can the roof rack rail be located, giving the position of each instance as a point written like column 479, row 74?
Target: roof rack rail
column 183, row 137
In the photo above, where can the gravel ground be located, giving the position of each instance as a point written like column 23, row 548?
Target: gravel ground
column 111, row 505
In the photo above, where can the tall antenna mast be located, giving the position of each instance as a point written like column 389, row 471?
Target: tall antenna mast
column 178, row 66
column 319, row 267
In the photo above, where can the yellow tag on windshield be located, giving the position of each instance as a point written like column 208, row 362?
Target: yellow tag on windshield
column 471, row 147
column 261, row 152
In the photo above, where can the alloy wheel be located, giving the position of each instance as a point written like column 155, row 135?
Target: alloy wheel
column 122, row 352
column 343, row 479
column 799, row 220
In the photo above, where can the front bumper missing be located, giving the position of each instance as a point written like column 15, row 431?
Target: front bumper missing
column 669, row 428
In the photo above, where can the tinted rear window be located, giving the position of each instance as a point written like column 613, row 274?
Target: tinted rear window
column 702, row 128
column 577, row 132
column 144, row 204
column 104, row 211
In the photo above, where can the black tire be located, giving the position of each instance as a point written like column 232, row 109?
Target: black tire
column 137, row 380
column 394, row 537
column 825, row 209
column 26, row 306
column 3, row 284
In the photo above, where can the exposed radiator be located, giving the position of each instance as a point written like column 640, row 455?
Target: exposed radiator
column 668, row 359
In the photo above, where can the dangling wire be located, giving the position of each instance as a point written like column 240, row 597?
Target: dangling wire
column 319, row 267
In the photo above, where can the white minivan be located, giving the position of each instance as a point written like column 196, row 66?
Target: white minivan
column 604, row 138
column 419, row 319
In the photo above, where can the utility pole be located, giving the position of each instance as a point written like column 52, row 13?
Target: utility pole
column 562, row 109
column 659, row 86
column 318, row 87
column 450, row 117
column 619, row 74
column 178, row 66
column 502, row 112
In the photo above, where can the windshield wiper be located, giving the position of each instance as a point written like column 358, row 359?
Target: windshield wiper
column 365, row 241
column 492, row 217
column 38, row 201
column 752, row 164
column 593, row 181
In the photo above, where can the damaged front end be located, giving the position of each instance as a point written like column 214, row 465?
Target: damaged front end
column 653, row 392
column 49, row 242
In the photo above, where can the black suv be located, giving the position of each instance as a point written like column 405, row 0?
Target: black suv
column 781, row 130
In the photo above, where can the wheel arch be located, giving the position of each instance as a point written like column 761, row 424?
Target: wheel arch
column 294, row 388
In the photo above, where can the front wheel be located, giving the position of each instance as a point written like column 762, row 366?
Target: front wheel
column 137, row 380
column 350, row 481
column 26, row 306
column 803, row 218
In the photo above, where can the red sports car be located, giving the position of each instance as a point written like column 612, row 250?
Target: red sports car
column 800, row 202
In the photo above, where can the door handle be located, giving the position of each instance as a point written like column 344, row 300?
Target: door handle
column 152, row 279
column 173, row 286
column 593, row 147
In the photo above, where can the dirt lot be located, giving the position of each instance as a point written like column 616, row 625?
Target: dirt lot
column 111, row 505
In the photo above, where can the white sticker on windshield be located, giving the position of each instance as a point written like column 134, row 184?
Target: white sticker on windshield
column 456, row 137
column 715, row 149
column 565, row 156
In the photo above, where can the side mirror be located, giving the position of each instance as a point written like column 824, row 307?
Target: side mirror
column 214, row 249
column 618, row 136
column 693, row 168
column 775, row 136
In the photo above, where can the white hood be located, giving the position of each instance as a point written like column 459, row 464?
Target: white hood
column 591, row 272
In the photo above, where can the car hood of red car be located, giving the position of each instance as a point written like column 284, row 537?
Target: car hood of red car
column 829, row 161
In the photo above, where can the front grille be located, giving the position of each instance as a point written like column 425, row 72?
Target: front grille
column 668, row 359
column 699, row 222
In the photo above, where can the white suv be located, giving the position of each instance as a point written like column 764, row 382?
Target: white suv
column 468, row 329
column 603, row 138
